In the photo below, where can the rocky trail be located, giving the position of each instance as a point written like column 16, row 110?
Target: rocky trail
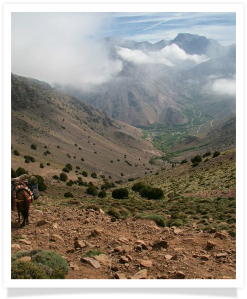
column 126, row 249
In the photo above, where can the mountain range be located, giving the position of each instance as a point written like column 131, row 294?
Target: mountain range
column 157, row 77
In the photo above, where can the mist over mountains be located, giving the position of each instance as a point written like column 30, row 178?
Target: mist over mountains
column 155, row 78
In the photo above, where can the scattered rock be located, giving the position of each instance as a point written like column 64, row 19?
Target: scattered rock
column 120, row 275
column 24, row 241
column 103, row 259
column 41, row 222
column 210, row 245
column 74, row 267
column 177, row 231
column 160, row 244
column 146, row 263
column 123, row 260
column 221, row 236
column 15, row 247
column 91, row 261
column 123, row 240
column 96, row 232
column 140, row 275
column 168, row 257
column 142, row 244
column 180, row 275
column 221, row 255
column 55, row 238
column 79, row 244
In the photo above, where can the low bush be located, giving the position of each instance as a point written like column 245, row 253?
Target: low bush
column 138, row 186
column 120, row 193
column 206, row 154
column 53, row 262
column 92, row 190
column 63, row 177
column 27, row 270
column 33, row 146
column 102, row 194
column 158, row 219
column 118, row 212
column 41, row 183
column 68, row 194
column 216, row 154
column 197, row 158
column 151, row 193
column 184, row 161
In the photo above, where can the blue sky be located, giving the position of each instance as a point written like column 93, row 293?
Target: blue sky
column 154, row 27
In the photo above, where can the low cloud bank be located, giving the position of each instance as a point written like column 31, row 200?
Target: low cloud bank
column 172, row 56
column 223, row 86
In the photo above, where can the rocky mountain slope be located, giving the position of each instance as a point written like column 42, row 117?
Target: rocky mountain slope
column 196, row 241
column 66, row 130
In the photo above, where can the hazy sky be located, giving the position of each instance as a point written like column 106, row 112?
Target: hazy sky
column 63, row 47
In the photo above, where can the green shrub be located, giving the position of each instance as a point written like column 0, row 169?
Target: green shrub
column 94, row 175
column 20, row 171
column 29, row 159
column 206, row 154
column 138, row 186
column 92, row 190
column 93, row 252
column 69, row 166
column 108, row 185
column 151, row 193
column 184, row 161
column 27, row 270
column 63, row 177
column 55, row 263
column 33, row 146
column 197, row 158
column 65, row 169
column 19, row 254
column 216, row 154
column 55, row 177
column 84, row 173
column 120, row 193
column 16, row 153
column 41, row 165
column 102, row 194
column 41, row 183
column 158, row 219
column 68, row 194
column 114, row 212
column 195, row 164
column 13, row 173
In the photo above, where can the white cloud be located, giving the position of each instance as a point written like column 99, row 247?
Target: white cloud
column 57, row 48
column 171, row 56
column 224, row 87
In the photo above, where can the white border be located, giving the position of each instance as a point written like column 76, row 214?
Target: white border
column 124, row 7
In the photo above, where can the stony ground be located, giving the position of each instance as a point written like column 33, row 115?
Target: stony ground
column 127, row 249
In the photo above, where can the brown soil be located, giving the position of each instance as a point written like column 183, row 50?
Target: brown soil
column 127, row 246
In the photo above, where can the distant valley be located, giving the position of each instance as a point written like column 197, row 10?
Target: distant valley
column 188, row 94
